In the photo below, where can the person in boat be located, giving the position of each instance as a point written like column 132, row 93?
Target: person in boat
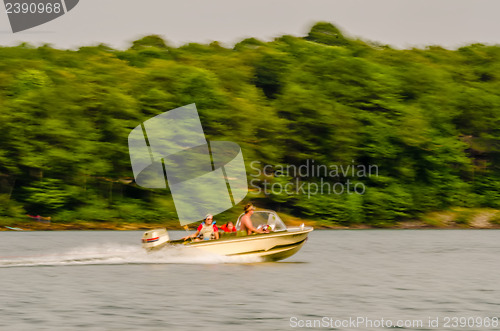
column 207, row 230
column 228, row 227
column 246, row 223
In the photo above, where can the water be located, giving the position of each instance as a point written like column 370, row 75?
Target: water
column 104, row 281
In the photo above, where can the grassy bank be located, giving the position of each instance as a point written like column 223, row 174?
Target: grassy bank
column 454, row 218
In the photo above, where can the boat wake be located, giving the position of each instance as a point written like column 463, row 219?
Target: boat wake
column 121, row 254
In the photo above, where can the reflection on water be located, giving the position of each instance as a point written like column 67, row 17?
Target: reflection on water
column 104, row 281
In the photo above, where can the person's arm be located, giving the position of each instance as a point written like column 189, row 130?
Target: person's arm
column 194, row 235
column 249, row 226
column 258, row 230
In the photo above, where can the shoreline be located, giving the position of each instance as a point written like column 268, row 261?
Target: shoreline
column 110, row 226
column 452, row 219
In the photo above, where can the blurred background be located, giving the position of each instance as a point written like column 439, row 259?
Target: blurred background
column 426, row 116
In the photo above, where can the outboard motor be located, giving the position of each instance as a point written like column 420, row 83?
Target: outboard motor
column 154, row 238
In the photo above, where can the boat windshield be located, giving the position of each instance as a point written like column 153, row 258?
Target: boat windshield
column 263, row 217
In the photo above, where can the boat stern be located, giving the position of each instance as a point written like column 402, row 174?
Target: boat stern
column 154, row 238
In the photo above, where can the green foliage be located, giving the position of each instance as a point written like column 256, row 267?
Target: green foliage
column 149, row 41
column 429, row 120
column 10, row 208
column 385, row 207
column 434, row 222
column 495, row 219
column 326, row 33
column 270, row 71
column 46, row 195
column 93, row 211
column 464, row 217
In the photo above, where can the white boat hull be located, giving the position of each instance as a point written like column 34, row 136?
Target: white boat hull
column 272, row 246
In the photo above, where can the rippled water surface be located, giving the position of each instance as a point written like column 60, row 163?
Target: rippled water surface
column 104, row 281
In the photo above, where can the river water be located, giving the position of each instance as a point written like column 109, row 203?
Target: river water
column 97, row 280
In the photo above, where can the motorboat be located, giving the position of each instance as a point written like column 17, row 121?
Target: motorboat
column 281, row 242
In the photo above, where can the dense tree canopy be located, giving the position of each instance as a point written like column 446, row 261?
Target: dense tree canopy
column 429, row 119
